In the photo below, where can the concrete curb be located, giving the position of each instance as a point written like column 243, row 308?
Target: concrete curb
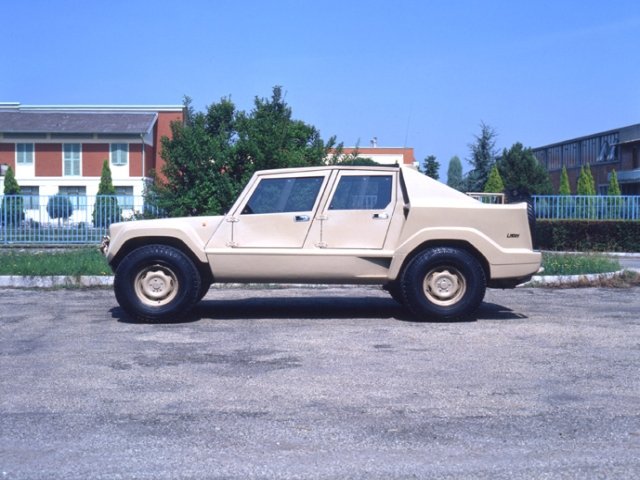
column 537, row 280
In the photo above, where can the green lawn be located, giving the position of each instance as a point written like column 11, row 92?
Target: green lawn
column 75, row 262
column 578, row 264
column 89, row 261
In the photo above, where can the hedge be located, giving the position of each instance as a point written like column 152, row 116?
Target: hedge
column 588, row 235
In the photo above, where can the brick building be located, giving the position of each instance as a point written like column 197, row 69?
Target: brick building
column 617, row 149
column 61, row 149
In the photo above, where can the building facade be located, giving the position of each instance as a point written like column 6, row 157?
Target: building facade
column 382, row 155
column 617, row 149
column 61, row 149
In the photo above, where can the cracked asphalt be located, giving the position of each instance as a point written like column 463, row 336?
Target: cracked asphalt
column 333, row 383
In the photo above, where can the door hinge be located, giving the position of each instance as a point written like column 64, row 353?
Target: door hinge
column 321, row 245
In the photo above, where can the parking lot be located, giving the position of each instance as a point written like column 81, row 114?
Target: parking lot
column 320, row 383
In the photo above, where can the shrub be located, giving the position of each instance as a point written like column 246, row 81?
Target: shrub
column 59, row 206
column 588, row 235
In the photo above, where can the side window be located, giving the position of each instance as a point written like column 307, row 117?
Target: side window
column 279, row 195
column 362, row 192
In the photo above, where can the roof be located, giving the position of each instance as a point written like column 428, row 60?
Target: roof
column 128, row 123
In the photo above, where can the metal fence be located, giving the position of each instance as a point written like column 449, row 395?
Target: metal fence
column 587, row 207
column 66, row 219
column 80, row 219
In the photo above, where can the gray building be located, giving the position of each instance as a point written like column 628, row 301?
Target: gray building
column 617, row 150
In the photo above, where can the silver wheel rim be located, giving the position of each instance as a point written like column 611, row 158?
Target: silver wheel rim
column 156, row 285
column 444, row 286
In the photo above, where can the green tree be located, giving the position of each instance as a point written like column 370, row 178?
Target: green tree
column 211, row 156
column 59, row 207
column 431, row 167
column 565, row 187
column 494, row 183
column 586, row 185
column 521, row 172
column 483, row 156
column 12, row 209
column 614, row 186
column 106, row 209
column 454, row 173
column 268, row 137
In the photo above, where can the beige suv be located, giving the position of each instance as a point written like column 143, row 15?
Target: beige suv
column 433, row 248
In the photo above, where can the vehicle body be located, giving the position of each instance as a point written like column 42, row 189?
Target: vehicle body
column 435, row 249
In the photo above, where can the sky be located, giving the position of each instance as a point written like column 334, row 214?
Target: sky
column 421, row 74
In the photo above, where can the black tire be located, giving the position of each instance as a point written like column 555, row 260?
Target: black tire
column 204, row 289
column 156, row 283
column 395, row 291
column 443, row 283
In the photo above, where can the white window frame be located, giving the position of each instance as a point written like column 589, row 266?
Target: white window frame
column 71, row 166
column 118, row 150
column 25, row 156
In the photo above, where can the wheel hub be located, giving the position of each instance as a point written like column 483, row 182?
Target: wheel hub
column 444, row 286
column 156, row 286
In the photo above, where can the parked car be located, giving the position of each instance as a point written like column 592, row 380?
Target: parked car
column 433, row 248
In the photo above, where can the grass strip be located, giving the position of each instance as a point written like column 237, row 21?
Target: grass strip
column 89, row 261
column 73, row 262
column 572, row 264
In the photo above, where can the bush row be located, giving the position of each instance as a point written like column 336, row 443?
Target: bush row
column 588, row 235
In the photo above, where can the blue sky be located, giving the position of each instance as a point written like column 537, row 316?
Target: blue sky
column 413, row 73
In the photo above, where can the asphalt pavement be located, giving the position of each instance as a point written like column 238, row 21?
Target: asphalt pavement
column 333, row 383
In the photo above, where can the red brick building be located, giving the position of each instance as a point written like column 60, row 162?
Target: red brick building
column 61, row 149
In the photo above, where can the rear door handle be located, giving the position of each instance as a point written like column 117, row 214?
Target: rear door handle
column 302, row 218
column 381, row 216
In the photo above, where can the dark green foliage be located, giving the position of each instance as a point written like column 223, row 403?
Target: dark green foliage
column 483, row 156
column 212, row 155
column 106, row 210
column 431, row 167
column 521, row 172
column 584, row 235
column 454, row 174
column 59, row 206
column 12, row 208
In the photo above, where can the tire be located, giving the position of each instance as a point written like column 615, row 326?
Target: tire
column 204, row 289
column 443, row 283
column 395, row 291
column 156, row 283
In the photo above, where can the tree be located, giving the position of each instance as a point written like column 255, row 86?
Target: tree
column 12, row 209
column 454, row 173
column 565, row 187
column 586, row 185
column 106, row 210
column 211, row 156
column 494, row 183
column 483, row 156
column 522, row 174
column 614, row 186
column 59, row 206
column 431, row 167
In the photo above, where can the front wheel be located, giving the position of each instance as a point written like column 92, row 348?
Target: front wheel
column 443, row 283
column 156, row 282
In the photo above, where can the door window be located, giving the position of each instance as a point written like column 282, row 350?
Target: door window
column 280, row 195
column 363, row 192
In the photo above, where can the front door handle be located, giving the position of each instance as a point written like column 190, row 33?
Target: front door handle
column 302, row 218
column 381, row 216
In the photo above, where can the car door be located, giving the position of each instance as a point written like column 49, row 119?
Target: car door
column 278, row 212
column 359, row 211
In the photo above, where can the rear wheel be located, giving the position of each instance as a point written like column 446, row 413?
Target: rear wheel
column 156, row 282
column 443, row 283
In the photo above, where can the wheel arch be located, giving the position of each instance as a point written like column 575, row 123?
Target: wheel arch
column 130, row 245
column 459, row 244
